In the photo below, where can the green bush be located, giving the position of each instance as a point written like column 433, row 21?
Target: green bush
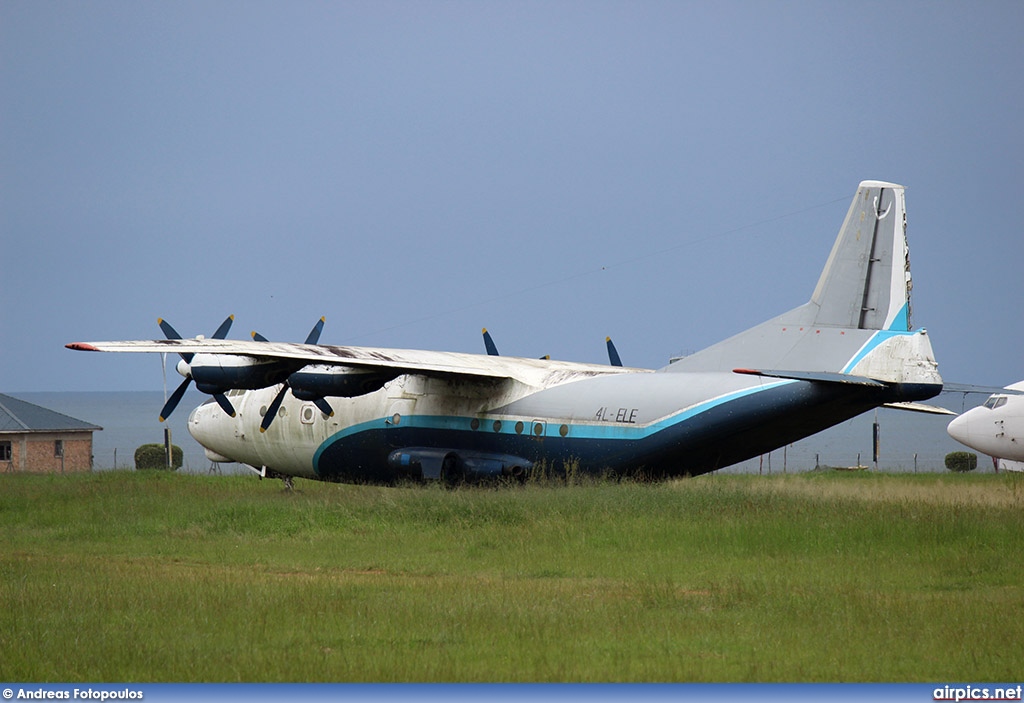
column 961, row 462
column 153, row 456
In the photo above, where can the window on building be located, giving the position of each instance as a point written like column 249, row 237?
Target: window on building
column 5, row 451
column 58, row 447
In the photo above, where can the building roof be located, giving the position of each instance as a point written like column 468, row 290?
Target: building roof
column 21, row 416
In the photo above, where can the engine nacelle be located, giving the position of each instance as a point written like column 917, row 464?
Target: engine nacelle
column 456, row 465
column 217, row 373
column 321, row 380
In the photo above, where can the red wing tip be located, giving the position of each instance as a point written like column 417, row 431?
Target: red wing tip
column 749, row 372
column 81, row 346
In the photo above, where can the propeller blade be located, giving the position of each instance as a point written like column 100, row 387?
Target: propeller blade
column 312, row 338
column 613, row 354
column 489, row 344
column 175, row 398
column 166, row 328
column 492, row 349
column 222, row 331
column 314, row 334
column 324, row 406
column 272, row 410
column 224, row 403
column 172, row 333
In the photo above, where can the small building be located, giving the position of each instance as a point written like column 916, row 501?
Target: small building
column 38, row 440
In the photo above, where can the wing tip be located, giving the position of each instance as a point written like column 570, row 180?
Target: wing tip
column 82, row 346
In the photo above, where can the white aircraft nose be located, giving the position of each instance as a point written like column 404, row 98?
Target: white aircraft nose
column 974, row 429
column 959, row 429
column 214, row 430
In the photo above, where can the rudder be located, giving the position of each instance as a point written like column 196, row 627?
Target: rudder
column 866, row 282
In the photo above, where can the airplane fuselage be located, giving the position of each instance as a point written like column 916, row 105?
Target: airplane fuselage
column 632, row 423
column 365, row 414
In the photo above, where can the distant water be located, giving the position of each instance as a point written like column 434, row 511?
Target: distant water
column 909, row 441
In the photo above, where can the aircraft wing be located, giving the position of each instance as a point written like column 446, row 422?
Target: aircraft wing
column 530, row 371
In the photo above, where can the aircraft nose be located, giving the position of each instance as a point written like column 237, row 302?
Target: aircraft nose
column 201, row 422
column 959, row 428
column 193, row 422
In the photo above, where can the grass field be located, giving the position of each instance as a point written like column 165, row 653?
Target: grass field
column 150, row 576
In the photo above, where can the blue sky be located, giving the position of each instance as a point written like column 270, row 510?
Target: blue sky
column 667, row 173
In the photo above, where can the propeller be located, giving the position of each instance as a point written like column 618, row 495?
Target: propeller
column 324, row 406
column 314, row 334
column 489, row 344
column 273, row 408
column 312, row 338
column 492, row 349
column 613, row 354
column 184, row 370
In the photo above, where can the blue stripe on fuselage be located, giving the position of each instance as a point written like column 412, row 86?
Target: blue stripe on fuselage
column 551, row 426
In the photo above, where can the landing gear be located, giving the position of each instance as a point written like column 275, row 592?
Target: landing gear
column 263, row 472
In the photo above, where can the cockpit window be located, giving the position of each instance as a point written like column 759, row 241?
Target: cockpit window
column 995, row 401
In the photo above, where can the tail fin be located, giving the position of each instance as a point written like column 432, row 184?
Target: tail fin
column 866, row 283
column 861, row 303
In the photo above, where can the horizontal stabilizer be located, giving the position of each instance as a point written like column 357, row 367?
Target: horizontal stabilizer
column 818, row 376
column 971, row 388
column 920, row 408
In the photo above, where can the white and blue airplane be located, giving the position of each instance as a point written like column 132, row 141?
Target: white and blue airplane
column 359, row 414
column 995, row 428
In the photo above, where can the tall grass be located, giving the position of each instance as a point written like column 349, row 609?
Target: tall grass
column 150, row 576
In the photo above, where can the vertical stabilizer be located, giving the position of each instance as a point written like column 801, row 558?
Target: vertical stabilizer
column 866, row 281
column 858, row 318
